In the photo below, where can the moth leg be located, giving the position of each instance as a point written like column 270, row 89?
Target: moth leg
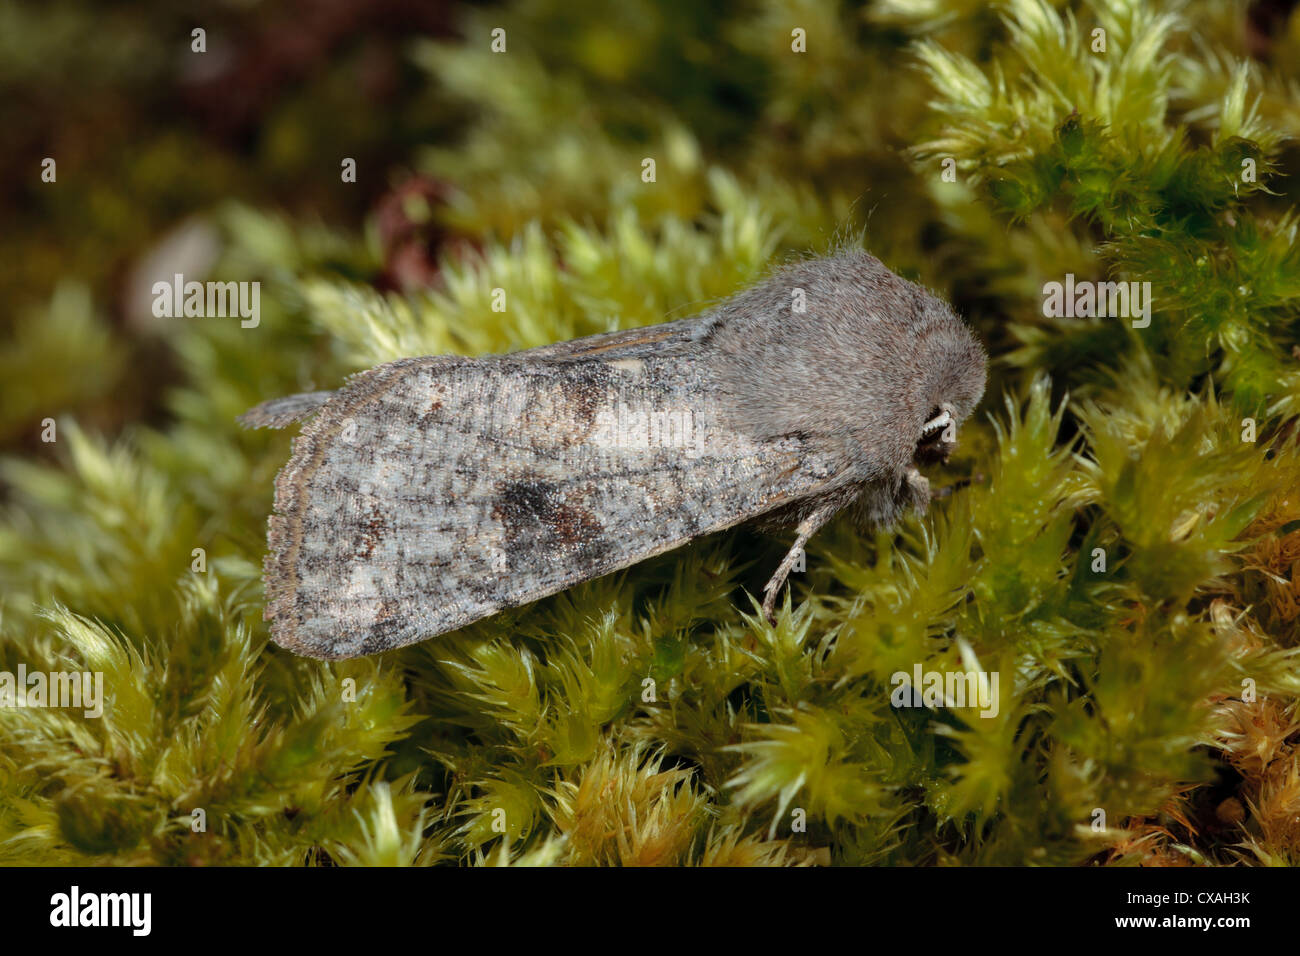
column 806, row 529
column 918, row 488
column 948, row 490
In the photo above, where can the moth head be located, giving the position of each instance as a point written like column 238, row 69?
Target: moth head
column 938, row 434
column 950, row 372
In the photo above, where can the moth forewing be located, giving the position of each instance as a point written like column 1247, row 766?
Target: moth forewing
column 425, row 497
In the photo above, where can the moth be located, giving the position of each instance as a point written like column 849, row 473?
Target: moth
column 428, row 493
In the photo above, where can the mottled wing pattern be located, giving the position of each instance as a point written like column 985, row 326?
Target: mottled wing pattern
column 429, row 493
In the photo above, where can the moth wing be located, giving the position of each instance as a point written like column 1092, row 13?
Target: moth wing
column 430, row 493
column 624, row 343
column 651, row 340
column 279, row 412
